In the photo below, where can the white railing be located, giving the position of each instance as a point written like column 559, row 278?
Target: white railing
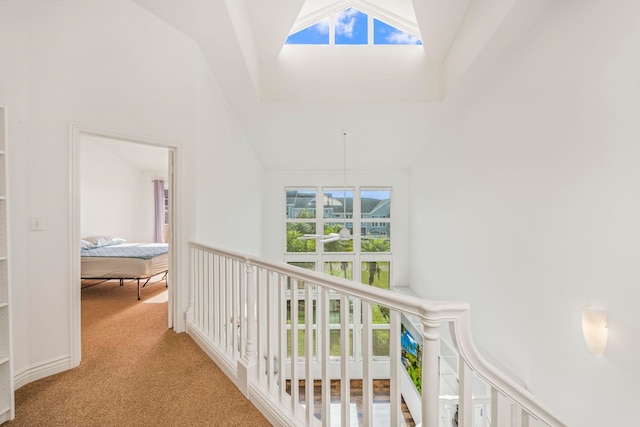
column 243, row 310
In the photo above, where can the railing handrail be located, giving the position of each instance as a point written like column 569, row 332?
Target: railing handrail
column 434, row 310
column 456, row 312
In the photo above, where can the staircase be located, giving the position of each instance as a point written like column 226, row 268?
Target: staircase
column 270, row 325
column 381, row 401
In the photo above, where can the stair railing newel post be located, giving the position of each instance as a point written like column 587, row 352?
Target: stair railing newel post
column 430, row 372
column 248, row 362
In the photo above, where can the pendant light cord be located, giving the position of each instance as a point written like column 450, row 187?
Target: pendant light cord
column 344, row 176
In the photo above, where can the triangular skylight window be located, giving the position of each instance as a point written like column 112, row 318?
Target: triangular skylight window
column 386, row 34
column 350, row 26
column 317, row 33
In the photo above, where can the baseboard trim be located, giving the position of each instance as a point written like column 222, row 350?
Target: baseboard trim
column 229, row 368
column 276, row 414
column 42, row 370
column 5, row 416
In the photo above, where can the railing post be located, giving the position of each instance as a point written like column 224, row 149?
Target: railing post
column 192, row 278
column 248, row 362
column 465, row 394
column 430, row 373
column 499, row 409
column 395, row 365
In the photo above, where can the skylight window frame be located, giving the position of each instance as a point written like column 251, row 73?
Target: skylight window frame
column 371, row 11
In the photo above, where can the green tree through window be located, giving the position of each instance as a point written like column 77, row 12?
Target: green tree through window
column 364, row 257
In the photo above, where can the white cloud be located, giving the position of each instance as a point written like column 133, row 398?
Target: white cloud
column 345, row 21
column 399, row 37
column 322, row 27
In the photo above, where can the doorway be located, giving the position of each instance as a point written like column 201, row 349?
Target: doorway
column 144, row 153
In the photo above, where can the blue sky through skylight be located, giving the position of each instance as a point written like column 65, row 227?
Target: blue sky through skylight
column 318, row 33
column 386, row 34
column 351, row 28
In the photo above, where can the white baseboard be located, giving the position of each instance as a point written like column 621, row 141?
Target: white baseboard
column 42, row 370
column 5, row 416
column 275, row 413
column 228, row 367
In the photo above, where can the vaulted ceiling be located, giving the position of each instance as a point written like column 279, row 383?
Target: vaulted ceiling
column 294, row 100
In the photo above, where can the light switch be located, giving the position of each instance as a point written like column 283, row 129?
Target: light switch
column 36, row 223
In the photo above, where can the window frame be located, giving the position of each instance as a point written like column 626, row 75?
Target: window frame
column 332, row 15
column 356, row 257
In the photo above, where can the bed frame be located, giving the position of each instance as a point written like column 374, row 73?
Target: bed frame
column 122, row 279
column 126, row 261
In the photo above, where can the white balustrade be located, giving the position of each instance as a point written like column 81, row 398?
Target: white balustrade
column 268, row 326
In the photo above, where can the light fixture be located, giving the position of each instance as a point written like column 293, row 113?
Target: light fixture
column 595, row 329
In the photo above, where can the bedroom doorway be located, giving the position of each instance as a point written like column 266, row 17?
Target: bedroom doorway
column 113, row 181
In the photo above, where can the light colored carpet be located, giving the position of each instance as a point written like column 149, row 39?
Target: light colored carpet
column 134, row 372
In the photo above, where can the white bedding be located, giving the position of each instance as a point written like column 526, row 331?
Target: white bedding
column 128, row 268
column 113, row 267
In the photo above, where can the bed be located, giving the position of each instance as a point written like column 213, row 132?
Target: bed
column 106, row 258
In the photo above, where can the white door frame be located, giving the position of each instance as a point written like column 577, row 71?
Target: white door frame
column 176, row 291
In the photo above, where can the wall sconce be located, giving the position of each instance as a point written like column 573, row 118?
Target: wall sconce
column 595, row 329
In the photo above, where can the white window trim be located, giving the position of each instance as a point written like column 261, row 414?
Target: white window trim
column 319, row 258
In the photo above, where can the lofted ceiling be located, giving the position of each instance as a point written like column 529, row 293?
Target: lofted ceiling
column 145, row 158
column 294, row 100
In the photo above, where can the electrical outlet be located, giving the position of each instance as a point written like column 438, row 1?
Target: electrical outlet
column 36, row 223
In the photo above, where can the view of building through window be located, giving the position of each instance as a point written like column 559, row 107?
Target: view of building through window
column 352, row 27
column 314, row 241
column 347, row 221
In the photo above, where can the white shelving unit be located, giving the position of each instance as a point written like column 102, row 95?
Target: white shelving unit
column 6, row 361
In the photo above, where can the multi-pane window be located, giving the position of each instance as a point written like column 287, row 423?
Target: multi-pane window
column 375, row 220
column 376, row 273
column 344, row 232
column 351, row 26
column 349, row 220
column 301, row 220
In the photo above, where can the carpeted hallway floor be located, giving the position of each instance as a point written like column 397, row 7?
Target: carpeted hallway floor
column 134, row 372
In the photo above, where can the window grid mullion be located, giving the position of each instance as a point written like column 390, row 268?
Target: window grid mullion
column 356, row 258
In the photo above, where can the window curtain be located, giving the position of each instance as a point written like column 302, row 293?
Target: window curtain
column 158, row 199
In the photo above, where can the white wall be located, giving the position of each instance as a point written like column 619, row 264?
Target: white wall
column 274, row 209
column 116, row 197
column 110, row 65
column 528, row 207
column 229, row 177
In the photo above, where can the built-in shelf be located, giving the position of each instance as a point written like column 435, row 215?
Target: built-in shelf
column 6, row 338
